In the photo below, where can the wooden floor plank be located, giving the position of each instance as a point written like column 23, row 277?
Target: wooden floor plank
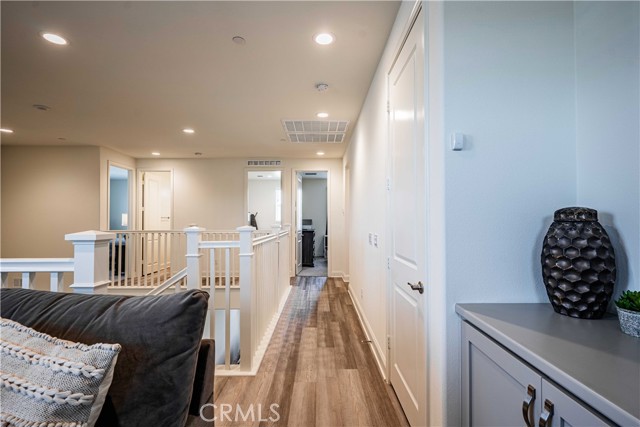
column 318, row 369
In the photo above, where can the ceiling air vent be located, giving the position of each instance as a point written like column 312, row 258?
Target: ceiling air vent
column 263, row 163
column 330, row 131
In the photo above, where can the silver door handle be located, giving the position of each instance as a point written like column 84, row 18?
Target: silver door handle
column 547, row 414
column 527, row 406
column 419, row 287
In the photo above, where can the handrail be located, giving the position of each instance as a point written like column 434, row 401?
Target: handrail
column 173, row 280
column 215, row 244
column 264, row 239
column 36, row 265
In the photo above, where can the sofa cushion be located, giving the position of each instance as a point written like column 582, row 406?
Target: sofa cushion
column 159, row 335
column 44, row 379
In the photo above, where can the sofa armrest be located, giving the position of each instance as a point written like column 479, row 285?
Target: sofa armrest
column 203, row 381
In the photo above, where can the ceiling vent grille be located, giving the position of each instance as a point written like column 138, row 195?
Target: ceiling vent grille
column 263, row 163
column 329, row 131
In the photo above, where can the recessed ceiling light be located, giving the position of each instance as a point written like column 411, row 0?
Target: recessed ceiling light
column 188, row 130
column 324, row 38
column 155, row 153
column 322, row 115
column 5, row 130
column 239, row 40
column 320, row 153
column 54, row 38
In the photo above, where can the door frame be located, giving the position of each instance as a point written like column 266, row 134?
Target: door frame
column 140, row 198
column 294, row 200
column 132, row 197
column 246, row 193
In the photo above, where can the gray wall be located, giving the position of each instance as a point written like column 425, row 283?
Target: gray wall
column 118, row 203
column 607, row 131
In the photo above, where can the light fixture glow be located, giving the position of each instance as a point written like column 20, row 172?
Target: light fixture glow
column 5, row 130
column 324, row 38
column 188, row 130
column 54, row 38
column 320, row 153
column 322, row 115
column 155, row 153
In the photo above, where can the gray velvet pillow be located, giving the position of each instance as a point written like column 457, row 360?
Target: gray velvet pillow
column 159, row 335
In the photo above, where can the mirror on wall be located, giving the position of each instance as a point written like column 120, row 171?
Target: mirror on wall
column 119, row 198
column 264, row 198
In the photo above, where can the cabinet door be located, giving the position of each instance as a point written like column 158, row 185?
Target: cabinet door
column 561, row 410
column 496, row 385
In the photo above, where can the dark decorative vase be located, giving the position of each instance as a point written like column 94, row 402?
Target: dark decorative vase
column 578, row 264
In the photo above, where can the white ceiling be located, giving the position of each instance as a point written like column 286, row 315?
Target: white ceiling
column 136, row 73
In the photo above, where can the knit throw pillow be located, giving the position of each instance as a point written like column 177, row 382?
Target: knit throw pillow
column 46, row 381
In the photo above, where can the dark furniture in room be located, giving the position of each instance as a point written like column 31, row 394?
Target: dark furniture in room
column 117, row 255
column 308, row 243
column 164, row 372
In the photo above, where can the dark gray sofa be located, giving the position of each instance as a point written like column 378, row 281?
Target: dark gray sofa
column 164, row 373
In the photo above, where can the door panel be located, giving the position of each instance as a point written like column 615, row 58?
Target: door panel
column 407, row 200
column 157, row 208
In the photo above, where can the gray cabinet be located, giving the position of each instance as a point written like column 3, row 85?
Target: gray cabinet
column 500, row 389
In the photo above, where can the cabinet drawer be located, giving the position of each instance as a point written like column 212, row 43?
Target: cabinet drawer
column 496, row 385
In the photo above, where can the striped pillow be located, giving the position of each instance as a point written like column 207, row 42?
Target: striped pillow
column 49, row 381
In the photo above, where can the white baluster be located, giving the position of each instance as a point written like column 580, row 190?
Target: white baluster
column 27, row 280
column 55, row 282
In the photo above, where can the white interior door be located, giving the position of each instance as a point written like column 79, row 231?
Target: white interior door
column 298, row 206
column 407, row 205
column 157, row 206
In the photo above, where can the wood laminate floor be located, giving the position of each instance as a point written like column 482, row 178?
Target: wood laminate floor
column 317, row 369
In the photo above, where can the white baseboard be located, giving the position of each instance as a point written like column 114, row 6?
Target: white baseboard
column 378, row 352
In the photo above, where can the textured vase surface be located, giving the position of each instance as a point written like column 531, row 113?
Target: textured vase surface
column 578, row 264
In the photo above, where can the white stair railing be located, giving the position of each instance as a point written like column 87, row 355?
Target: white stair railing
column 145, row 259
column 28, row 267
column 263, row 279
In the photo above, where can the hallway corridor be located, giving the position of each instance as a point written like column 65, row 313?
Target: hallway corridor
column 316, row 369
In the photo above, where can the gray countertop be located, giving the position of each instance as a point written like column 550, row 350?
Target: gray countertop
column 592, row 359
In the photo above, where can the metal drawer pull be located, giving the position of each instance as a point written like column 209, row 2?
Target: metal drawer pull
column 527, row 406
column 547, row 414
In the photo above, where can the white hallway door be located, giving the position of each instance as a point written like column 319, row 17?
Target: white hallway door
column 157, row 204
column 407, row 208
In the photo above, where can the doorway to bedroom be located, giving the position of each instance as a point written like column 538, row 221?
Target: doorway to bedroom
column 312, row 224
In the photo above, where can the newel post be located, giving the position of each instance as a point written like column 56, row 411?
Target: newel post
column 246, row 298
column 90, row 261
column 194, row 236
